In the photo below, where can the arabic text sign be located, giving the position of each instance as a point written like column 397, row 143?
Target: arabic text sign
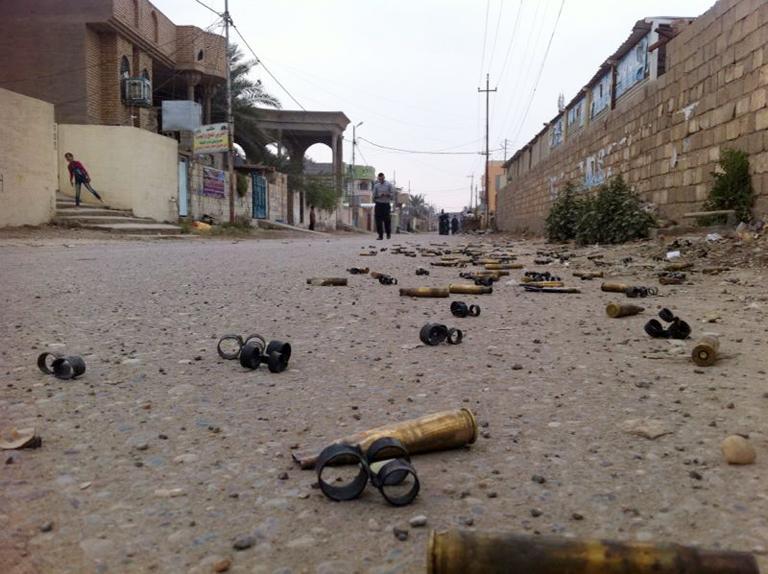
column 213, row 182
column 211, row 138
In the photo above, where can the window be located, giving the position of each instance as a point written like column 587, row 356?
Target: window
column 632, row 68
column 200, row 55
column 556, row 133
column 362, row 186
column 125, row 68
column 601, row 95
column 576, row 115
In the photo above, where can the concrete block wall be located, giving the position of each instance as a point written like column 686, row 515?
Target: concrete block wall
column 27, row 160
column 665, row 136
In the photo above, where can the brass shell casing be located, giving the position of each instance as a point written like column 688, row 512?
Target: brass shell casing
column 469, row 289
column 616, row 310
column 704, row 354
column 468, row 552
column 438, row 431
column 588, row 274
column 424, row 292
column 544, row 283
column 613, row 287
column 327, row 281
column 500, row 266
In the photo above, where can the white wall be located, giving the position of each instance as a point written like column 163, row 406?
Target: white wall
column 131, row 168
column 27, row 160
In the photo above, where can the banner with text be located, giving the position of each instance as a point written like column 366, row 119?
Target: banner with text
column 211, row 138
column 213, row 182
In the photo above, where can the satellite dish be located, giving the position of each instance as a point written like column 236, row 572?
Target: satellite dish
column 239, row 151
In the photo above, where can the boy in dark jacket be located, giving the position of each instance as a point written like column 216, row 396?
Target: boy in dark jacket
column 79, row 176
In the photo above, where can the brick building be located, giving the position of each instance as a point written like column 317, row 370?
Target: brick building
column 658, row 112
column 107, row 62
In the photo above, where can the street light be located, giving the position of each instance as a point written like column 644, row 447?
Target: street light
column 352, row 194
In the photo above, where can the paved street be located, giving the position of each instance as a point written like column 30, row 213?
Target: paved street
column 551, row 379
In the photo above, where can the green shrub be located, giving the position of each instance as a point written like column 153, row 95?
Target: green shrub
column 614, row 214
column 242, row 184
column 732, row 188
column 561, row 221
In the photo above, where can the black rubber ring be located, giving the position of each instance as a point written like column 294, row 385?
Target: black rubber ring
column 42, row 362
column 474, row 310
column 251, row 354
column 394, row 473
column 257, row 337
column 433, row 334
column 679, row 329
column 66, row 368
column 459, row 309
column 279, row 347
column 386, row 448
column 655, row 330
column 276, row 362
column 454, row 336
column 667, row 315
column 342, row 453
column 230, row 356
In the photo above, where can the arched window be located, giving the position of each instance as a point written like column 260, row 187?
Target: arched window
column 125, row 68
column 136, row 14
column 155, row 27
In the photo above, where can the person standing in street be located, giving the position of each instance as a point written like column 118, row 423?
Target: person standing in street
column 78, row 176
column 383, row 194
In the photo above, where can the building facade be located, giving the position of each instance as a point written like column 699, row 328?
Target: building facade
column 108, row 62
column 658, row 112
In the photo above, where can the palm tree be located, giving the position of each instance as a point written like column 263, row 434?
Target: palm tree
column 247, row 95
column 418, row 205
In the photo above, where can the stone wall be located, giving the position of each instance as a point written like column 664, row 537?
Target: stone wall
column 665, row 135
column 27, row 160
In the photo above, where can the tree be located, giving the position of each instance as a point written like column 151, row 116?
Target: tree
column 247, row 95
column 320, row 192
column 419, row 205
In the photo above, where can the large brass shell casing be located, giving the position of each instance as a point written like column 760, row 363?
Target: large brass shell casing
column 613, row 287
column 438, row 431
column 469, row 289
column 616, row 310
column 704, row 354
column 327, row 281
column 424, row 292
column 468, row 552
column 500, row 266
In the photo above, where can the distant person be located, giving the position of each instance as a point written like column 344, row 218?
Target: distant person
column 444, row 221
column 383, row 194
column 78, row 176
column 312, row 218
column 454, row 225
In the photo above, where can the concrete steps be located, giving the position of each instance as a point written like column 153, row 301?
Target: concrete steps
column 103, row 218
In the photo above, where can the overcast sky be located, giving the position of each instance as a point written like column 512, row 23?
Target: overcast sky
column 410, row 69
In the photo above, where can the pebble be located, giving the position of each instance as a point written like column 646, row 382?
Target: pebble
column 186, row 458
column 737, row 450
column 418, row 521
column 695, row 475
column 577, row 516
column 535, row 512
column 244, row 542
column 46, row 526
column 538, row 478
column 283, row 476
column 517, row 367
column 222, row 565
column 373, row 525
column 466, row 520
column 400, row 533
column 170, row 492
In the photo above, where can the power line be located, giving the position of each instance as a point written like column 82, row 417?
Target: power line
column 541, row 69
column 263, row 65
column 435, row 152
column 485, row 38
column 511, row 41
column 496, row 35
column 204, row 5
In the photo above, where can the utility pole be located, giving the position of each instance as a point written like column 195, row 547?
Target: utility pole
column 505, row 150
column 230, row 121
column 487, row 92
column 471, row 187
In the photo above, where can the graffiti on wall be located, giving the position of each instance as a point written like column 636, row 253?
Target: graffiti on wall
column 576, row 115
column 601, row 95
column 556, row 133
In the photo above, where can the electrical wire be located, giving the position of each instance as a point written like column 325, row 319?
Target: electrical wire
column 424, row 152
column 496, row 35
column 511, row 42
column 204, row 5
column 541, row 69
column 485, row 39
column 263, row 65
